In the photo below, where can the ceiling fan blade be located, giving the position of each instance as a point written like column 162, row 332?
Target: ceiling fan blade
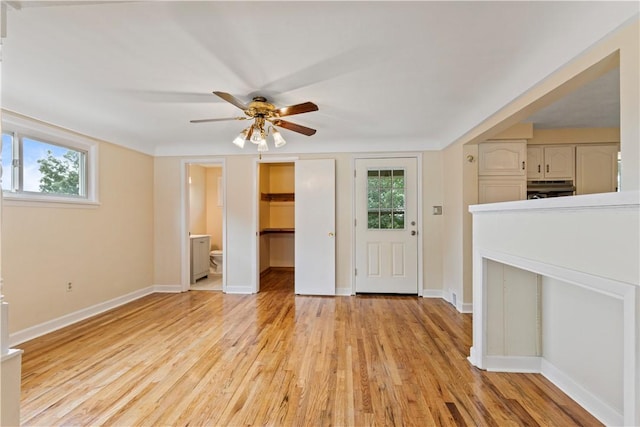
column 231, row 99
column 217, row 120
column 294, row 127
column 305, row 107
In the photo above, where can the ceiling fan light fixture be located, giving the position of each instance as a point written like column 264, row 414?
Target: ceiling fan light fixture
column 262, row 112
column 257, row 137
column 262, row 146
column 278, row 140
column 241, row 138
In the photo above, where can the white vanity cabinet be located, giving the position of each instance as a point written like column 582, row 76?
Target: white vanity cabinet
column 550, row 162
column 200, row 247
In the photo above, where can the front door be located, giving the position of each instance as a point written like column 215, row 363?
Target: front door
column 386, row 226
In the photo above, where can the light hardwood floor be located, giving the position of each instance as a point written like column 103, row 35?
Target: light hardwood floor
column 205, row 358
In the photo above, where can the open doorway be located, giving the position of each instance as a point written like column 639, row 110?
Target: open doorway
column 276, row 225
column 205, row 225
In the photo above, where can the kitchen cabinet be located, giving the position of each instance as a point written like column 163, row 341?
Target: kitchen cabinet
column 502, row 171
column 501, row 189
column 596, row 168
column 553, row 162
column 200, row 247
column 505, row 158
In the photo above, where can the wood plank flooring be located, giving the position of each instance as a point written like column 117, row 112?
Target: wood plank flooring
column 208, row 359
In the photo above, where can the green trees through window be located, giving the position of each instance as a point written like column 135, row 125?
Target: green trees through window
column 34, row 166
column 385, row 198
column 60, row 175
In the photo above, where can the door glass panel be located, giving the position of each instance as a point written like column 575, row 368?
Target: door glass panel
column 385, row 199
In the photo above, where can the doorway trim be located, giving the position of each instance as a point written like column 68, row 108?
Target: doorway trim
column 419, row 227
column 256, row 210
column 185, row 282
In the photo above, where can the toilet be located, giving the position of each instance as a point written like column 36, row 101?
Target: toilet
column 216, row 260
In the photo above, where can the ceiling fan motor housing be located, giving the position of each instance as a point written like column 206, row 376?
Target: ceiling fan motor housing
column 259, row 107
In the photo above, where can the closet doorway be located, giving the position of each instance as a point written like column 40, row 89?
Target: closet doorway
column 276, row 224
column 295, row 223
column 203, row 251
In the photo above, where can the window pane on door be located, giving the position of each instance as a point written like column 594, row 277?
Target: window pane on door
column 386, row 199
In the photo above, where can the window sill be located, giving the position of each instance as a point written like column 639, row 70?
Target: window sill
column 17, row 199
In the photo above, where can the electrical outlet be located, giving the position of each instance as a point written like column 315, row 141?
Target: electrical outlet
column 69, row 286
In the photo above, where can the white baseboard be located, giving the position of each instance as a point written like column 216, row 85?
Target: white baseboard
column 167, row 289
column 343, row 292
column 474, row 358
column 433, row 293
column 466, row 307
column 591, row 403
column 68, row 319
column 522, row 364
column 239, row 290
column 599, row 409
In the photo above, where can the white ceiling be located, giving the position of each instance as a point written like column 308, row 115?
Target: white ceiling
column 387, row 76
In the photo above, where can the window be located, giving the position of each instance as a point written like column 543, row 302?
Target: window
column 385, row 199
column 43, row 163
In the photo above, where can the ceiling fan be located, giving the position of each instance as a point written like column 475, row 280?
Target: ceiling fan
column 263, row 112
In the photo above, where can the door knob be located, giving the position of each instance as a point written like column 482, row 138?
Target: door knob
column 414, row 232
column 330, row 234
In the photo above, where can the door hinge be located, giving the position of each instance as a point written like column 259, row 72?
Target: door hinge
column 355, row 222
column 356, row 272
column 354, row 173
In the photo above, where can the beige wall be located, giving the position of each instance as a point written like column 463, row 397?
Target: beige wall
column 575, row 136
column 432, row 176
column 205, row 215
column 241, row 173
column 197, row 200
column 105, row 251
column 453, row 213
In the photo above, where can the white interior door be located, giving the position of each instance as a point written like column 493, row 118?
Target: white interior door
column 386, row 226
column 315, row 259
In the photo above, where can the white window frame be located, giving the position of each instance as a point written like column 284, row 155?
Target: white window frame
column 24, row 127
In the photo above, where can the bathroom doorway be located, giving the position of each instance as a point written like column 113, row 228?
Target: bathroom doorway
column 205, row 224
column 276, row 225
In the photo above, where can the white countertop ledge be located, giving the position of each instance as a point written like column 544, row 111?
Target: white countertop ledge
column 623, row 199
column 13, row 352
column 196, row 236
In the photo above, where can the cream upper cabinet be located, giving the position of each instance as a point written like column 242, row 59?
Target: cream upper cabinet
column 506, row 158
column 535, row 161
column 550, row 162
column 596, row 168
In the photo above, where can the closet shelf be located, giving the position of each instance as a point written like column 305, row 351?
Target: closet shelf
column 277, row 197
column 276, row 230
